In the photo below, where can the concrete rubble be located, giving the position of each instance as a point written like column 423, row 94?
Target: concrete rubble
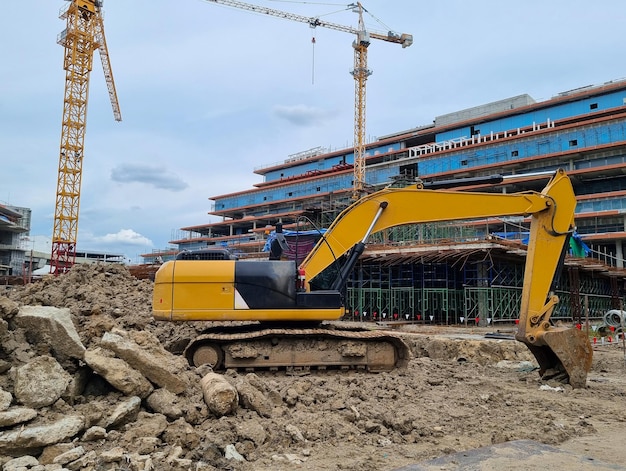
column 143, row 386
column 90, row 382
column 60, row 395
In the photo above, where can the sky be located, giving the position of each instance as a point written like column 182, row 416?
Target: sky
column 208, row 93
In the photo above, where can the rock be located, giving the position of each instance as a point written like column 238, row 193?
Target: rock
column 145, row 445
column 144, row 463
column 21, row 463
column 51, row 452
column 252, row 430
column 87, row 461
column 69, row 456
column 8, row 308
column 40, row 382
column 291, row 397
column 382, row 441
column 180, row 464
column 371, row 426
column 245, row 448
column 293, row 460
column 164, row 402
column 158, row 365
column 147, row 425
column 253, row 399
column 5, row 399
column 125, row 412
column 16, row 415
column 231, row 453
column 4, row 331
column 174, row 453
column 79, row 382
column 94, row 433
column 516, row 365
column 295, row 433
column 118, row 373
column 219, row 395
column 181, row 433
column 52, row 326
column 41, row 435
column 112, row 455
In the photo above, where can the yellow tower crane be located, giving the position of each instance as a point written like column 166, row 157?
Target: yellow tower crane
column 360, row 71
column 84, row 34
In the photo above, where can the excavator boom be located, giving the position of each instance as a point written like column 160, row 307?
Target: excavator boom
column 278, row 291
column 558, row 350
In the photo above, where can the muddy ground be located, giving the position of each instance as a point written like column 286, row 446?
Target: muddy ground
column 459, row 392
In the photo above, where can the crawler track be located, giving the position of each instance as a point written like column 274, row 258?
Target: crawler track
column 291, row 349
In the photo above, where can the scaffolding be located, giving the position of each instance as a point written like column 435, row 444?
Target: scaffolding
column 466, row 291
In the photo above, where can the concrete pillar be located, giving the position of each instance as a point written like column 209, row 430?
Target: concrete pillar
column 483, row 296
column 619, row 254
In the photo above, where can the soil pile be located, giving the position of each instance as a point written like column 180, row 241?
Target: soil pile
column 89, row 381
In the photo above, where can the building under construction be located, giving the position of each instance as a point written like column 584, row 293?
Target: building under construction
column 14, row 230
column 469, row 271
column 20, row 260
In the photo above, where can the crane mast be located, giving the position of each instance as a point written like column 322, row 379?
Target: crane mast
column 360, row 71
column 84, row 33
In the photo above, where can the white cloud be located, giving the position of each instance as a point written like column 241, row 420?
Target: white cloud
column 125, row 237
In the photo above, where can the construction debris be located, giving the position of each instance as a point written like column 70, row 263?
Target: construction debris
column 88, row 381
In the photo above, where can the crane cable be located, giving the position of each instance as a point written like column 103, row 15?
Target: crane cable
column 313, row 59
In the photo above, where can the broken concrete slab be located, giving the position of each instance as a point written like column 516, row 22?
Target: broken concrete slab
column 158, row 365
column 124, row 412
column 37, row 436
column 118, row 373
column 40, row 382
column 16, row 415
column 52, row 326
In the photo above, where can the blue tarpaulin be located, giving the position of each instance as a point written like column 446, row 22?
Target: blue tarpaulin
column 577, row 248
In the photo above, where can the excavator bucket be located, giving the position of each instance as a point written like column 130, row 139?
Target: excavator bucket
column 564, row 354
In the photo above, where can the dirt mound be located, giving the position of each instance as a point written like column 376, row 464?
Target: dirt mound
column 117, row 396
column 101, row 297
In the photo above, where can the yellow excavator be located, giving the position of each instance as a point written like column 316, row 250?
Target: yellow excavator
column 284, row 308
